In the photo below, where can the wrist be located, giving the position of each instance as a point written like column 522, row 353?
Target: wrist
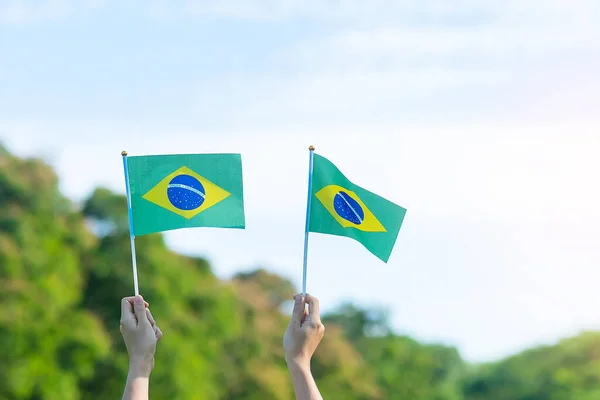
column 140, row 368
column 298, row 365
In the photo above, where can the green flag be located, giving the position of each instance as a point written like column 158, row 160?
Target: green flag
column 184, row 191
column 339, row 207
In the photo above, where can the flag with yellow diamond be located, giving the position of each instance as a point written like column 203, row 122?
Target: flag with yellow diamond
column 339, row 207
column 185, row 191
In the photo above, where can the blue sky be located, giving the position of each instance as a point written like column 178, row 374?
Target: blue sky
column 480, row 117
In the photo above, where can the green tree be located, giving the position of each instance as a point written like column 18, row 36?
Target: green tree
column 566, row 371
column 403, row 368
column 48, row 344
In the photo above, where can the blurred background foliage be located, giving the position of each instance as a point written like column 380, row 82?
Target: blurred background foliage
column 64, row 269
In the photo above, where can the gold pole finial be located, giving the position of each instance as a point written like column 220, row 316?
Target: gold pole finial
column 123, row 153
column 311, row 147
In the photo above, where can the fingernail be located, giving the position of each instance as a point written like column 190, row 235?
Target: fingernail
column 138, row 300
column 298, row 299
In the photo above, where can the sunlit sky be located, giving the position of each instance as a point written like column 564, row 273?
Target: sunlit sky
column 479, row 117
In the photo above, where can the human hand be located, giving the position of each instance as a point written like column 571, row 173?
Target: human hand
column 304, row 332
column 140, row 334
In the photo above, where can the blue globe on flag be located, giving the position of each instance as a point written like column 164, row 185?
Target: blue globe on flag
column 348, row 208
column 185, row 192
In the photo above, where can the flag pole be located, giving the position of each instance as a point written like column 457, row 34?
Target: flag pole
column 308, row 201
column 131, row 231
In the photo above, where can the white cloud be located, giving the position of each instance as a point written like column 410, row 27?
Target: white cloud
column 13, row 12
column 535, row 12
column 17, row 12
column 509, row 54
column 399, row 10
column 489, row 42
column 20, row 12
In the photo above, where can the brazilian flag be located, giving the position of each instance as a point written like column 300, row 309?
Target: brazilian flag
column 345, row 209
column 185, row 191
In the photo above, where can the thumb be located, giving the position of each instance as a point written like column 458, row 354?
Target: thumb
column 298, row 311
column 127, row 314
column 140, row 310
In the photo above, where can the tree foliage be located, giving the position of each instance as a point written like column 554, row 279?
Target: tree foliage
column 566, row 371
column 63, row 270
